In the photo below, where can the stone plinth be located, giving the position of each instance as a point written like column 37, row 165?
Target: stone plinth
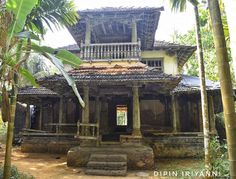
column 130, row 139
column 138, row 156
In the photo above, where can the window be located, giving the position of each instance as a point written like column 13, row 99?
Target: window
column 121, row 115
column 157, row 63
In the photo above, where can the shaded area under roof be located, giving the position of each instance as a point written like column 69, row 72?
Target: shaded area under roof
column 114, row 25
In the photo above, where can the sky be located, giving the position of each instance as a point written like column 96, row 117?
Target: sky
column 168, row 24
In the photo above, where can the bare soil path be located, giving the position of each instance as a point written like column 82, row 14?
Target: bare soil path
column 53, row 166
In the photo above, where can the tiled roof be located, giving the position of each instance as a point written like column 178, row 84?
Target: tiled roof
column 36, row 91
column 115, row 73
column 192, row 84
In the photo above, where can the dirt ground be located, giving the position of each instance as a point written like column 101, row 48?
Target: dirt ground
column 53, row 166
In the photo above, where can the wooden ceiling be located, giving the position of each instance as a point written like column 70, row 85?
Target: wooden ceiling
column 114, row 25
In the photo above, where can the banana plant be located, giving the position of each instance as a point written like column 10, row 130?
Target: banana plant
column 16, row 43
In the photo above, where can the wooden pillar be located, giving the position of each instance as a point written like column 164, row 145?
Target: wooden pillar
column 88, row 32
column 200, row 116
column 212, row 115
column 175, row 112
column 40, row 115
column 97, row 117
column 136, row 112
column 27, row 117
column 97, row 109
column 60, row 114
column 85, row 110
column 134, row 31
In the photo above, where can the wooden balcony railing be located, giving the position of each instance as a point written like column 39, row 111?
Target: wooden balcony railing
column 110, row 51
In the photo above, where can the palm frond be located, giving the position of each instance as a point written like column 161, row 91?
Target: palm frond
column 57, row 13
column 178, row 5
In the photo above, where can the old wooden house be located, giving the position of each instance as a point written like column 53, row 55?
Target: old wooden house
column 138, row 105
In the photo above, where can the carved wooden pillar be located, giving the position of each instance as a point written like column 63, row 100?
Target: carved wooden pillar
column 27, row 117
column 175, row 112
column 134, row 31
column 136, row 112
column 88, row 32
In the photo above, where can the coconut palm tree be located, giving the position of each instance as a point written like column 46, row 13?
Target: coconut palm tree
column 181, row 5
column 225, row 83
column 15, row 48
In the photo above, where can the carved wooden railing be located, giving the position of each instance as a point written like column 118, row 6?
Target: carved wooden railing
column 88, row 131
column 110, row 51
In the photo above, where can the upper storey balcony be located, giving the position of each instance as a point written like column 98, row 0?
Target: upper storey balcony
column 111, row 51
column 114, row 34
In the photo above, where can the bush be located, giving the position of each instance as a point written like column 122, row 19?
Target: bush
column 15, row 174
column 219, row 157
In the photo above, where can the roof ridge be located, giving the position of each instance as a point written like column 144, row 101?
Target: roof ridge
column 121, row 8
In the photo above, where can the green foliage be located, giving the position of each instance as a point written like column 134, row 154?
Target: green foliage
column 52, row 13
column 15, row 174
column 191, row 67
column 219, row 157
column 20, row 9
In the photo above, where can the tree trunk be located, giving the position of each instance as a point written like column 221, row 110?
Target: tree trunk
column 204, row 101
column 225, row 83
column 9, row 140
column 230, row 8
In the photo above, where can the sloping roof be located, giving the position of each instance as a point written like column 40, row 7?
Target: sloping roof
column 114, row 25
column 116, row 73
column 112, row 76
column 41, row 91
column 183, row 52
column 192, row 84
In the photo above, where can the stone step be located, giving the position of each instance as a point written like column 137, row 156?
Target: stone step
column 105, row 172
column 108, row 158
column 107, row 165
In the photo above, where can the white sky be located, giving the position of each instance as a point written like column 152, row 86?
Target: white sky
column 169, row 21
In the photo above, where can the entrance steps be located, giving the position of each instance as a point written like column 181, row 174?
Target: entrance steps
column 107, row 165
